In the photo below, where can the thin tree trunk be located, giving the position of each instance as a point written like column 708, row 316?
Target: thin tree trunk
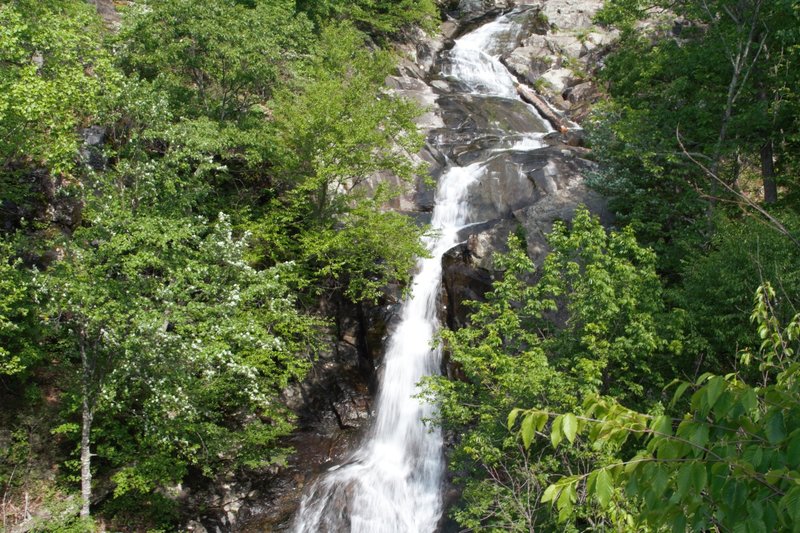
column 768, row 173
column 86, row 429
column 742, row 68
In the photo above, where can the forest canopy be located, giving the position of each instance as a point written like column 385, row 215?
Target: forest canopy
column 180, row 190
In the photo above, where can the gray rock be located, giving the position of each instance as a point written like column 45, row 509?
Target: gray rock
column 529, row 62
column 484, row 244
column 583, row 92
column 566, row 44
column 538, row 219
column 462, row 281
column 502, row 189
column 557, row 80
column 571, row 14
column 92, row 149
column 441, row 85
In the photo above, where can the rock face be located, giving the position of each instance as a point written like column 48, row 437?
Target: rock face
column 565, row 55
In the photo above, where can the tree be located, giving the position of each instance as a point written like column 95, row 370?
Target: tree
column 220, row 59
column 720, row 83
column 593, row 322
column 715, row 288
column 730, row 461
column 379, row 18
column 172, row 329
column 52, row 81
column 332, row 135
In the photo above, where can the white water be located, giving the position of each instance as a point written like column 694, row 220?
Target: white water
column 393, row 482
column 475, row 59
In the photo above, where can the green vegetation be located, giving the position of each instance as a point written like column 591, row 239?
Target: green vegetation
column 158, row 288
column 631, row 382
column 730, row 461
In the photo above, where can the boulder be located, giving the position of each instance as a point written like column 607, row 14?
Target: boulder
column 557, row 80
column 502, row 189
column 566, row 44
column 583, row 92
column 529, row 62
column 571, row 14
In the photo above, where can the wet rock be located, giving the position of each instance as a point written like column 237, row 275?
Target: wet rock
column 469, row 9
column 462, row 281
column 490, row 114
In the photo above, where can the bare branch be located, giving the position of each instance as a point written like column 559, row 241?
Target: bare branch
column 776, row 224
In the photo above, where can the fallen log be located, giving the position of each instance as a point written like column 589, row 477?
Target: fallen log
column 527, row 94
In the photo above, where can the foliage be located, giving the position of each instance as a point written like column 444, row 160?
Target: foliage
column 17, row 326
column 181, row 336
column 589, row 324
column 54, row 79
column 605, row 289
column 380, row 18
column 332, row 135
column 220, row 59
column 165, row 321
column 718, row 82
column 730, row 461
column 366, row 248
column 649, row 186
column 716, row 285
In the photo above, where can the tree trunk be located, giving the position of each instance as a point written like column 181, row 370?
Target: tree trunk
column 768, row 173
column 86, row 429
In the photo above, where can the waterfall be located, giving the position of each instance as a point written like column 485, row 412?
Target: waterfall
column 393, row 482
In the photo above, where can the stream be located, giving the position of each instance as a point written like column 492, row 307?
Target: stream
column 394, row 481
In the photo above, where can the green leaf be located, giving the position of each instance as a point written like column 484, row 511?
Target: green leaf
column 662, row 425
column 699, row 476
column 570, row 426
column 749, row 400
column 512, row 417
column 699, row 435
column 679, row 392
column 603, row 488
column 793, row 449
column 556, row 435
column 566, row 501
column 713, row 390
column 684, row 480
column 774, row 427
column 541, row 421
column 551, row 493
column 527, row 430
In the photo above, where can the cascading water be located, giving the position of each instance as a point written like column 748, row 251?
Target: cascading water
column 393, row 482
